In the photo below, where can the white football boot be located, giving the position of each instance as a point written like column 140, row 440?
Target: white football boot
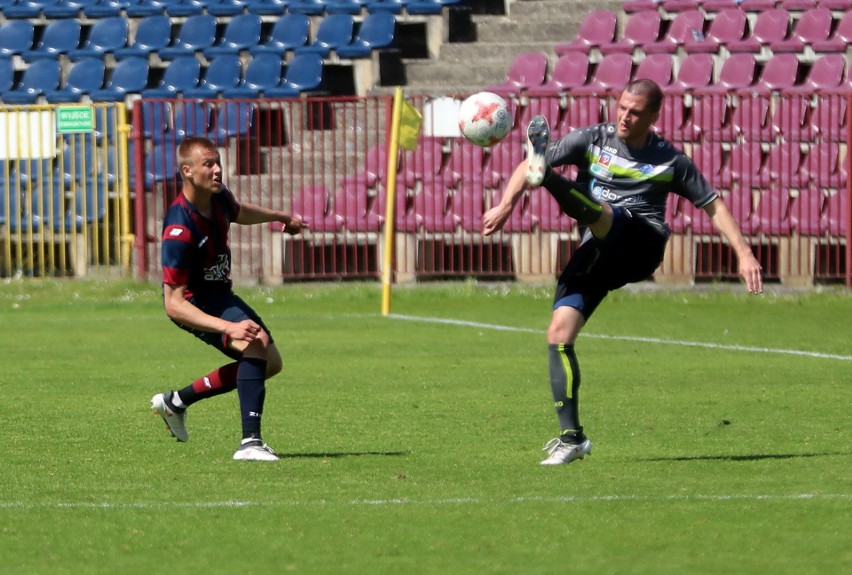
column 561, row 452
column 255, row 451
column 538, row 138
column 175, row 422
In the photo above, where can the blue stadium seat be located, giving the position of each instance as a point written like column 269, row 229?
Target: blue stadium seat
column 23, row 9
column 59, row 37
column 152, row 34
column 224, row 72
column 156, row 120
column 130, row 76
column 233, row 119
column 429, row 6
column 309, row 7
column 353, row 7
column 376, row 32
column 104, row 9
column 143, row 8
column 241, row 32
column 224, row 8
column 181, row 75
column 16, row 37
column 333, row 31
column 77, row 160
column 180, row 8
column 192, row 118
column 41, row 76
column 289, row 32
column 262, row 73
column 84, row 77
column 196, row 33
column 392, row 6
column 106, row 36
column 57, row 9
column 304, row 74
column 267, row 7
column 161, row 163
column 91, row 199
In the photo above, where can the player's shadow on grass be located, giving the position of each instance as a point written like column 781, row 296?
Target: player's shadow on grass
column 336, row 455
column 756, row 457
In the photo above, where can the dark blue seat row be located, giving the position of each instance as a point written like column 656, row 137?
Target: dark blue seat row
column 197, row 34
column 94, row 9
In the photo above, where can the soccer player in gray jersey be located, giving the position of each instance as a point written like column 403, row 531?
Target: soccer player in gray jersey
column 625, row 173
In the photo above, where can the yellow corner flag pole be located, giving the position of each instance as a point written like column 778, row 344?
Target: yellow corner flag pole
column 405, row 129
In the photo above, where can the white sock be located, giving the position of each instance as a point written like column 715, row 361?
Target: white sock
column 176, row 401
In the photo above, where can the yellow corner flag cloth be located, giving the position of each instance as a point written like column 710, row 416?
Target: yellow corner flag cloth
column 410, row 121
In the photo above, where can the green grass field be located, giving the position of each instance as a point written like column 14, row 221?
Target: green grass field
column 413, row 446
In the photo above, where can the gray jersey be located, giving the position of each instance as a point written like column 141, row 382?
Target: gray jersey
column 638, row 180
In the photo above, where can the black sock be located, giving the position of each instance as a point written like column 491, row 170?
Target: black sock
column 571, row 200
column 565, row 384
column 251, row 387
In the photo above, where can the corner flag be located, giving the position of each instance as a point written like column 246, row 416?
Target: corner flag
column 410, row 121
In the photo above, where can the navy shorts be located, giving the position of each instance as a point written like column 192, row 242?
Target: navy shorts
column 228, row 307
column 630, row 253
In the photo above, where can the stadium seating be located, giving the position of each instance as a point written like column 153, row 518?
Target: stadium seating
column 192, row 118
column 596, row 29
column 40, row 77
column 308, row 7
column 357, row 211
column 184, row 8
column 779, row 73
column 684, row 27
column 353, row 7
column 827, row 73
column 181, row 75
column 262, row 73
column 130, row 76
column 241, row 33
column 570, row 71
column 612, row 74
column 304, row 74
column 738, row 72
column 22, row 9
column 106, row 36
column 313, row 205
column 813, row 26
column 143, row 8
column 223, row 73
column 84, row 77
column 770, row 26
column 694, row 73
column 391, row 6
column 642, row 28
column 103, row 9
column 7, row 75
column 727, row 28
column 528, row 69
column 377, row 32
column 196, row 33
column 839, row 38
column 232, row 119
column 152, row 34
column 224, row 8
column 656, row 67
column 288, row 33
column 267, row 7
column 16, row 37
column 333, row 31
column 59, row 37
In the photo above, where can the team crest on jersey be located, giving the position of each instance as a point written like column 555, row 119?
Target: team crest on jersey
column 601, row 166
column 219, row 271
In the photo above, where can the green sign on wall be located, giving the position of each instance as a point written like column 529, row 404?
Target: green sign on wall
column 71, row 119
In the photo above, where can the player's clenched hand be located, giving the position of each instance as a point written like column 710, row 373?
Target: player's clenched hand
column 494, row 219
column 293, row 225
column 246, row 330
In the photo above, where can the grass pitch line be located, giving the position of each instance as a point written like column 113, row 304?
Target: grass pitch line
column 11, row 505
column 657, row 340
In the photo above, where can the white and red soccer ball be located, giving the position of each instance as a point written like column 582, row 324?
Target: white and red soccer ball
column 484, row 118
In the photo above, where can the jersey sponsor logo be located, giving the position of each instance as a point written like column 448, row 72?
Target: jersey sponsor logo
column 219, row 271
column 610, row 149
column 175, row 232
column 207, row 383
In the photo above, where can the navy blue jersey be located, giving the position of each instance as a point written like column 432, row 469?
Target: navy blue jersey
column 639, row 180
column 195, row 250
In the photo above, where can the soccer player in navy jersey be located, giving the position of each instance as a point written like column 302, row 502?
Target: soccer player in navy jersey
column 198, row 297
column 625, row 173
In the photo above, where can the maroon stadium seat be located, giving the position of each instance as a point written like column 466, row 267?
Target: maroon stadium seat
column 727, row 27
column 570, row 71
column 813, row 25
column 527, row 70
column 684, row 26
column 737, row 72
column 769, row 26
column 642, row 28
column 597, row 28
column 613, row 72
column 839, row 39
column 656, row 67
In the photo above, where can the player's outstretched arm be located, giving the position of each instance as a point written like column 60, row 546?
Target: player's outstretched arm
column 493, row 219
column 749, row 267
column 254, row 214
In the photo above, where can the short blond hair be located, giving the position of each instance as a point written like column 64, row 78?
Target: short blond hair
column 187, row 148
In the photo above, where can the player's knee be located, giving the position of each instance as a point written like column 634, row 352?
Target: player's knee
column 274, row 363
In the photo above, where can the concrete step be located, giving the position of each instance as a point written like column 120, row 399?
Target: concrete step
column 477, row 55
column 455, row 74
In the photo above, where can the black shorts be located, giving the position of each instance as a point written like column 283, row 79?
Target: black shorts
column 228, row 307
column 630, row 253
